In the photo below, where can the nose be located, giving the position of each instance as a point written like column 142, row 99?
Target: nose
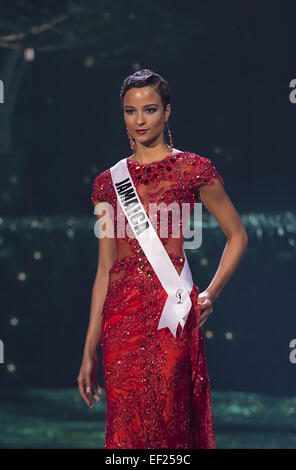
column 140, row 119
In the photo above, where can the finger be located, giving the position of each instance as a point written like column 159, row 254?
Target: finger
column 207, row 309
column 90, row 393
column 204, row 314
column 94, row 394
column 207, row 303
column 94, row 389
column 203, row 305
column 203, row 317
column 202, row 323
column 84, row 395
column 98, row 389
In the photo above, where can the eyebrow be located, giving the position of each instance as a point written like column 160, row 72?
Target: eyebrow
column 152, row 104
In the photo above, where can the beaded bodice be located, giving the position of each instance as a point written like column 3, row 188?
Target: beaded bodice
column 174, row 179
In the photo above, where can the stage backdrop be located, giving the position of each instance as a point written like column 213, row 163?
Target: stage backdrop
column 230, row 72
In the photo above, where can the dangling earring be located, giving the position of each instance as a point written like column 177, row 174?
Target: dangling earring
column 132, row 141
column 170, row 137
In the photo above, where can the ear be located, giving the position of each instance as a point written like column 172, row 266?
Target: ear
column 168, row 111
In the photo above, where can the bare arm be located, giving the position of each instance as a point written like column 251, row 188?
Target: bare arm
column 106, row 258
column 87, row 377
column 220, row 206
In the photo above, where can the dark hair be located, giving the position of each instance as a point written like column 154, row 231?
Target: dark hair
column 147, row 77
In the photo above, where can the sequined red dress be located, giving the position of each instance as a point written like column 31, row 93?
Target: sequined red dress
column 157, row 386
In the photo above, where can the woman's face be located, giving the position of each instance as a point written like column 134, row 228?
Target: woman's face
column 143, row 110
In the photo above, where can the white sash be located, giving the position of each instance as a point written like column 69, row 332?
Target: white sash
column 178, row 287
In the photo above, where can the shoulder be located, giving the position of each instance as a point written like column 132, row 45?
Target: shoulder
column 101, row 187
column 197, row 159
column 201, row 170
column 102, row 179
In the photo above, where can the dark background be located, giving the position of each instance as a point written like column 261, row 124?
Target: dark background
column 229, row 66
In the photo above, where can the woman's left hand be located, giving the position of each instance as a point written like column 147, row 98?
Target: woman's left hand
column 206, row 306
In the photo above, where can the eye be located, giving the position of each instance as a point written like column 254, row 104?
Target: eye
column 129, row 111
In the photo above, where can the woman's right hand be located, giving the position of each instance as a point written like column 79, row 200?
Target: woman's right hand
column 88, row 378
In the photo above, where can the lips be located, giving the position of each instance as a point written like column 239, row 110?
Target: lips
column 141, row 131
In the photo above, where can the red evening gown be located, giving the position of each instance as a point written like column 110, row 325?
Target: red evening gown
column 157, row 386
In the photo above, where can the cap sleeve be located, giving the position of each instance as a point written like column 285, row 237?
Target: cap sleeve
column 101, row 188
column 203, row 172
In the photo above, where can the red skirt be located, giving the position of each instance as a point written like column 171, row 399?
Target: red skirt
column 157, row 386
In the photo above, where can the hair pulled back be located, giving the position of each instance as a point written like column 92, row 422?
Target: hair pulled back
column 146, row 77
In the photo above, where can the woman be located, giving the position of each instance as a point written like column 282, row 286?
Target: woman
column 156, row 383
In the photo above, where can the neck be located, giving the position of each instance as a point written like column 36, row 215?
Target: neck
column 146, row 159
